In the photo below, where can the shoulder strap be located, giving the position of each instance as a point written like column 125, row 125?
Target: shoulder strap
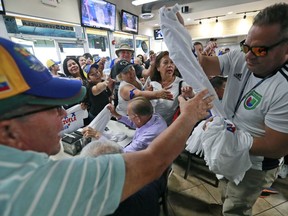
column 180, row 86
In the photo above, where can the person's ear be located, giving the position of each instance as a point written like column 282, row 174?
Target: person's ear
column 8, row 136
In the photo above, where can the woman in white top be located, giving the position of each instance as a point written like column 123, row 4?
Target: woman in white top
column 164, row 77
column 130, row 87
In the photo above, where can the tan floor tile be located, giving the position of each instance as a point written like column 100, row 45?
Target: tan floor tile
column 178, row 183
column 194, row 201
column 197, row 198
column 283, row 208
column 215, row 192
column 270, row 212
column 260, row 206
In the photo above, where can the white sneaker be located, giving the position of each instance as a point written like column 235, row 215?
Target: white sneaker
column 283, row 171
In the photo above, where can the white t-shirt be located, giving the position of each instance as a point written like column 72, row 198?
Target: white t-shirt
column 267, row 104
column 167, row 108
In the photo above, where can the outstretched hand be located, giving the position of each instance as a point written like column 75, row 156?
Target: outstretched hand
column 90, row 132
column 198, row 107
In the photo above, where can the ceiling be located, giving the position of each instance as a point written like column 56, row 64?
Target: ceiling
column 206, row 8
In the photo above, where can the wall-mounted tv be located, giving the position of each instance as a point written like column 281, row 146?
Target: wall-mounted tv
column 98, row 14
column 2, row 8
column 158, row 34
column 129, row 22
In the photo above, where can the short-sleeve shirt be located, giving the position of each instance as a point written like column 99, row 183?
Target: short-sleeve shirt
column 265, row 105
column 33, row 184
column 98, row 102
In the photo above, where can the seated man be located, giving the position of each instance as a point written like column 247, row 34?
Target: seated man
column 140, row 116
column 148, row 127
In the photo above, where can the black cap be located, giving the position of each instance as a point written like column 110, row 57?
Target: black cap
column 123, row 66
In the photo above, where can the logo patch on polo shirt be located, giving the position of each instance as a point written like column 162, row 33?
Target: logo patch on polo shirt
column 252, row 100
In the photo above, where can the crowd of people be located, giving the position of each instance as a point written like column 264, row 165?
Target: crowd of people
column 144, row 94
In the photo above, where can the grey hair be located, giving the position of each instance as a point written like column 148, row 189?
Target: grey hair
column 100, row 147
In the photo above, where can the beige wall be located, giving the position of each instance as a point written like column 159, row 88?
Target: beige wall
column 225, row 28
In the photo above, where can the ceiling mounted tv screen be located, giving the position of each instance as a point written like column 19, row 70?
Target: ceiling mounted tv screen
column 98, row 14
column 129, row 22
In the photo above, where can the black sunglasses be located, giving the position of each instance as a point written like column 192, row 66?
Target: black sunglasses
column 59, row 110
column 259, row 51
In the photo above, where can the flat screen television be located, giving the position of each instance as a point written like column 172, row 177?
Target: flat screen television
column 158, row 34
column 98, row 14
column 2, row 8
column 129, row 22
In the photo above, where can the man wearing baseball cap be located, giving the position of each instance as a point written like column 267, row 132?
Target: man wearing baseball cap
column 30, row 122
column 125, row 52
column 53, row 66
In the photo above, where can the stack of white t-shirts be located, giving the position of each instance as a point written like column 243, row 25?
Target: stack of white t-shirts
column 226, row 149
column 74, row 119
column 179, row 44
column 194, row 143
column 99, row 123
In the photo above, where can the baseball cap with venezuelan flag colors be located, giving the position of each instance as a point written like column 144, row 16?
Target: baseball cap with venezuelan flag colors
column 25, row 80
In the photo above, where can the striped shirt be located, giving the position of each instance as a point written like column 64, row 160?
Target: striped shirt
column 33, row 184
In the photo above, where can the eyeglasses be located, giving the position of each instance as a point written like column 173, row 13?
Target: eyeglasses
column 259, row 51
column 58, row 108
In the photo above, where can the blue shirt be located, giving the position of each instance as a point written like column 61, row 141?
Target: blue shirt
column 32, row 184
column 146, row 134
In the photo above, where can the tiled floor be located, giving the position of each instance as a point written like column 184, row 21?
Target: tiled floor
column 197, row 198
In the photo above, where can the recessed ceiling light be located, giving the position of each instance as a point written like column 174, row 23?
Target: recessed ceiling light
column 188, row 19
column 230, row 12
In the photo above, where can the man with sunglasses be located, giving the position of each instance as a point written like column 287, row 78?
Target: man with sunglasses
column 256, row 99
column 30, row 123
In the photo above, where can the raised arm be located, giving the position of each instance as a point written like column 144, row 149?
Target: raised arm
column 129, row 91
column 144, row 166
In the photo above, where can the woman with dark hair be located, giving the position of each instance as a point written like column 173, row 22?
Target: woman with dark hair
column 142, row 61
column 99, row 90
column 164, row 77
column 72, row 69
